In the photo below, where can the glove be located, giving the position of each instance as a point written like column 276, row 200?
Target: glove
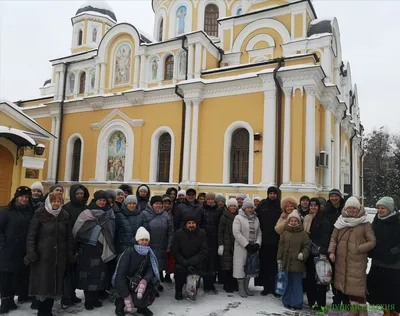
column 280, row 265
column 249, row 247
column 191, row 270
column 300, row 256
column 141, row 288
column 128, row 304
column 323, row 257
column 30, row 258
column 220, row 250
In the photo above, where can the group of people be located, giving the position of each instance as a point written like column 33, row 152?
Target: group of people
column 133, row 243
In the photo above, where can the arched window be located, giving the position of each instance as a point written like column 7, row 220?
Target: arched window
column 80, row 37
column 161, row 30
column 211, row 20
column 82, row 83
column 76, row 160
column 164, row 157
column 116, row 157
column 240, row 156
column 169, row 68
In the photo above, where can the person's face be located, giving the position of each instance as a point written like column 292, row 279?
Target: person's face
column 191, row 197
column 352, row 211
column 172, row 195
column 232, row 208
column 79, row 195
column 191, row 225
column 221, row 204
column 167, row 204
column 142, row 193
column 56, row 204
column 383, row 211
column 143, row 242
column 202, row 199
column 120, row 197
column 293, row 221
column 101, row 202
column 304, row 203
column 249, row 210
column 58, row 190
column 110, row 200
column 239, row 201
column 313, row 208
column 210, row 202
column 272, row 196
column 289, row 208
column 256, row 203
column 181, row 197
column 37, row 194
column 23, row 200
column 157, row 207
column 335, row 199
column 126, row 193
column 131, row 206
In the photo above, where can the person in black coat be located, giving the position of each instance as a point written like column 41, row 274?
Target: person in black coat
column 14, row 225
column 127, row 189
column 112, row 196
column 189, row 247
column 37, row 195
column 120, row 197
column 210, row 215
column 143, row 196
column 137, row 260
column 316, row 224
column 268, row 213
column 304, row 206
column 188, row 208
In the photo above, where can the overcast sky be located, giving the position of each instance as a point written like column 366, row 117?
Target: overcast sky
column 33, row 32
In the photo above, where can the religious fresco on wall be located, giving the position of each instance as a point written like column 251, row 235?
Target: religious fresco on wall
column 92, row 77
column 116, row 157
column 123, row 64
column 239, row 11
column 94, row 34
column 182, row 64
column 181, row 19
column 154, row 63
column 71, row 83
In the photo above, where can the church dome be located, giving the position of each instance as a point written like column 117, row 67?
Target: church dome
column 99, row 6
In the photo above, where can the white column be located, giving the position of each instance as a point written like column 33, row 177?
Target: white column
column 338, row 170
column 142, row 71
column 186, row 145
column 194, row 143
column 61, row 84
column 136, row 74
column 327, row 145
column 102, row 78
column 190, row 61
column 287, row 136
column 56, row 85
column 97, row 80
column 197, row 66
column 51, row 150
column 310, row 136
column 327, row 63
column 354, row 166
column 269, row 139
column 54, row 152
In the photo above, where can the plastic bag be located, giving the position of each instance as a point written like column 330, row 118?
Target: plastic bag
column 191, row 286
column 323, row 271
column 281, row 281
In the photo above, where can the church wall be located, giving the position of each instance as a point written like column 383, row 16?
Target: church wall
column 265, row 4
column 227, row 40
column 211, row 61
column 46, row 123
column 298, row 31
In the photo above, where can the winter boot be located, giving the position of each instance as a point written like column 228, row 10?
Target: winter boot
column 178, row 296
column 144, row 311
column 246, row 287
column 75, row 299
column 242, row 291
column 5, row 305
column 168, row 278
column 119, row 306
column 12, row 305
column 35, row 304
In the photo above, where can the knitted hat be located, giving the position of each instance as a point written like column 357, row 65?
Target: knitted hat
column 257, row 198
column 100, row 195
column 316, row 201
column 386, row 202
column 247, row 203
column 190, row 192
column 210, row 196
column 111, row 194
column 220, row 198
column 231, row 202
column 118, row 191
column 182, row 192
column 288, row 200
column 166, row 197
column 155, row 199
column 304, row 197
column 352, row 202
column 295, row 214
column 130, row 199
column 142, row 233
column 241, row 196
column 23, row 190
column 272, row 190
column 53, row 187
column 144, row 188
column 126, row 188
column 37, row 186
column 335, row 191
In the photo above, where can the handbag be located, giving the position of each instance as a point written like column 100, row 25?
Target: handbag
column 252, row 267
column 134, row 281
column 314, row 250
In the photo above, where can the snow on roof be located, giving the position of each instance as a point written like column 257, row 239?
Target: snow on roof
column 99, row 4
column 96, row 14
column 319, row 35
column 316, row 21
column 145, row 34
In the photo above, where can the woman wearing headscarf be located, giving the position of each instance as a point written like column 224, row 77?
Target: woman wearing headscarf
column 143, row 196
column 137, row 260
column 351, row 240
column 384, row 277
column 112, row 196
column 247, row 233
column 173, row 194
column 48, row 251
column 318, row 228
column 94, row 231
column 161, row 229
column 288, row 204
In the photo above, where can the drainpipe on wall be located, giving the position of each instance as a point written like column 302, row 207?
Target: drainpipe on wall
column 61, row 121
column 278, row 89
column 221, row 56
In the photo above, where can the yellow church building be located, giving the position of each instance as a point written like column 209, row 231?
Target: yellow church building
column 227, row 96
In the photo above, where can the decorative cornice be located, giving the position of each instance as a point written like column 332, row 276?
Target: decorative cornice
column 311, row 90
column 288, row 91
column 111, row 115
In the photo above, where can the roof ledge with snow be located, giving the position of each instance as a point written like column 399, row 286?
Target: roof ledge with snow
column 101, row 7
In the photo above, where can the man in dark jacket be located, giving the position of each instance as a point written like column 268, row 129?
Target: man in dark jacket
column 188, row 208
column 268, row 213
column 14, row 225
column 143, row 196
column 189, row 248
column 304, row 206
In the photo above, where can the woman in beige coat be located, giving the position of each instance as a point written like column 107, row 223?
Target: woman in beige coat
column 288, row 205
column 351, row 240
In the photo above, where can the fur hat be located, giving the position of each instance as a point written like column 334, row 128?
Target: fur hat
column 144, row 188
column 288, row 200
column 247, row 203
column 220, row 198
column 100, row 195
column 335, row 191
column 210, row 196
column 181, row 192
column 130, row 199
column 352, row 202
column 142, row 233
column 111, row 194
column 257, row 198
column 231, row 202
column 37, row 186
column 295, row 214
column 241, row 196
column 155, row 199
column 126, row 188
column 23, row 190
column 386, row 202
column 272, row 190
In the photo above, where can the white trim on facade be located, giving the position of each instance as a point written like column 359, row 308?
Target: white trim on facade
column 114, row 113
column 32, row 162
column 69, row 156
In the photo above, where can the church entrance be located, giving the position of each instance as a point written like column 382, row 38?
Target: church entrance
column 6, row 171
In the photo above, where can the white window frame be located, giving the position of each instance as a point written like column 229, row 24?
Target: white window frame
column 69, row 156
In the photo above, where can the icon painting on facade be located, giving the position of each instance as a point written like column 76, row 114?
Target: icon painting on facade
column 123, row 64
column 116, row 157
column 180, row 19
